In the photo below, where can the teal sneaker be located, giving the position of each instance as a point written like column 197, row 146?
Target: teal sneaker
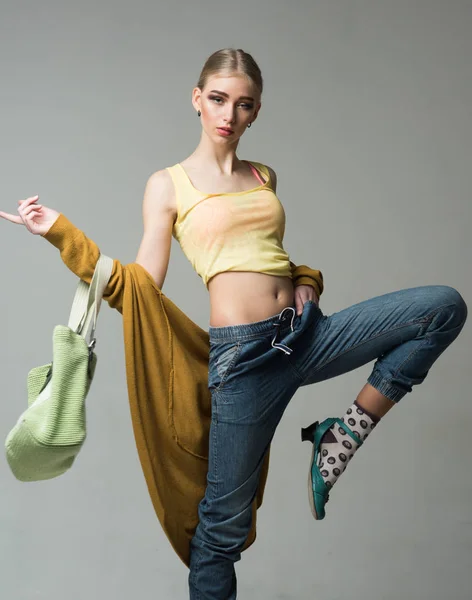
column 318, row 491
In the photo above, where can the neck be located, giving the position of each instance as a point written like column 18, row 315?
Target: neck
column 220, row 158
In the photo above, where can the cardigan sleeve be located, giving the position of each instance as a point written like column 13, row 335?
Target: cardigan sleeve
column 303, row 275
column 80, row 254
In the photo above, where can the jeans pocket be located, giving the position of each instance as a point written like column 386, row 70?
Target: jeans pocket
column 223, row 364
column 224, row 361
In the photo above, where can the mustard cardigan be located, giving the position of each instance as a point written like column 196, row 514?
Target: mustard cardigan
column 166, row 357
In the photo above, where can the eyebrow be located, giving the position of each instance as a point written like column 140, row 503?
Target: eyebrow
column 227, row 96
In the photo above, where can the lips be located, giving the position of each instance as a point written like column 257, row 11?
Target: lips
column 225, row 129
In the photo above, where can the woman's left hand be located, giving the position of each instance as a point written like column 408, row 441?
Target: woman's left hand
column 302, row 294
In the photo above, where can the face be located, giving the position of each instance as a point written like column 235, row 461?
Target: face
column 231, row 102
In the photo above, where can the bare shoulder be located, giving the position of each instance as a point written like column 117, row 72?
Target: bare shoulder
column 273, row 177
column 160, row 192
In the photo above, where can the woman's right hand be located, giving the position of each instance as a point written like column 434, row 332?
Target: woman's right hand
column 37, row 218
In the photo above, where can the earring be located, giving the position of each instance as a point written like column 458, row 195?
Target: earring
column 249, row 124
column 199, row 113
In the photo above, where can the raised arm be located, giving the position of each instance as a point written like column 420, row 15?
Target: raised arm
column 80, row 253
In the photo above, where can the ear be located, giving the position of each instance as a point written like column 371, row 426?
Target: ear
column 257, row 112
column 196, row 98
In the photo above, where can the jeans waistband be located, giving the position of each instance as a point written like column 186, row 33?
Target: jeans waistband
column 278, row 323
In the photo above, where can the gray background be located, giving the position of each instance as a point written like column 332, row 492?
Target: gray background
column 367, row 120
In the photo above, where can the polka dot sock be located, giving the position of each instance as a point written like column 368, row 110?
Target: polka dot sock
column 337, row 447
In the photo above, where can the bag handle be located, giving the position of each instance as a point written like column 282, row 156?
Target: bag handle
column 87, row 300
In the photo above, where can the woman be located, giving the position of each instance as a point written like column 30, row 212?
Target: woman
column 267, row 337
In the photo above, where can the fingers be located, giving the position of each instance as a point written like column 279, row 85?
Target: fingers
column 26, row 208
column 32, row 208
column 31, row 198
column 12, row 218
column 301, row 300
column 28, row 201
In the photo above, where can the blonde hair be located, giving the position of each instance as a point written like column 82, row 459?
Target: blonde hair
column 231, row 61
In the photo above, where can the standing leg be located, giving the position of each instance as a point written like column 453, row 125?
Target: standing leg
column 250, row 385
column 225, row 512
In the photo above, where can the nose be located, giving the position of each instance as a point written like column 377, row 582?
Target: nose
column 229, row 119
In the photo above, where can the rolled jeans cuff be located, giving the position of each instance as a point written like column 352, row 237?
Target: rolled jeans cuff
column 384, row 386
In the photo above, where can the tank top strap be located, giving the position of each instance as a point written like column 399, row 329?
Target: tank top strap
column 260, row 169
column 256, row 172
column 186, row 194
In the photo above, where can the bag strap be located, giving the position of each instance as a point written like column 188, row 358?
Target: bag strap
column 88, row 298
column 95, row 299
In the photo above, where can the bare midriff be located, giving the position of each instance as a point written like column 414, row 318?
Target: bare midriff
column 241, row 297
column 238, row 298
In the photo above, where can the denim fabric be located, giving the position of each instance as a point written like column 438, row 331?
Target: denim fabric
column 256, row 368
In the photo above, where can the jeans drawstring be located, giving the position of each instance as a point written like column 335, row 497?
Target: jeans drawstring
column 279, row 345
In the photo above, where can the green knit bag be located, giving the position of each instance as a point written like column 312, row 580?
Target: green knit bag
column 51, row 431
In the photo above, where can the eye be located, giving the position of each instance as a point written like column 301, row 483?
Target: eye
column 243, row 104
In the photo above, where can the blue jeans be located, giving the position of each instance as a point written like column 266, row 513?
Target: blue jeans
column 256, row 368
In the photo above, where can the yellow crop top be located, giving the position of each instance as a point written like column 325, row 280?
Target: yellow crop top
column 232, row 231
